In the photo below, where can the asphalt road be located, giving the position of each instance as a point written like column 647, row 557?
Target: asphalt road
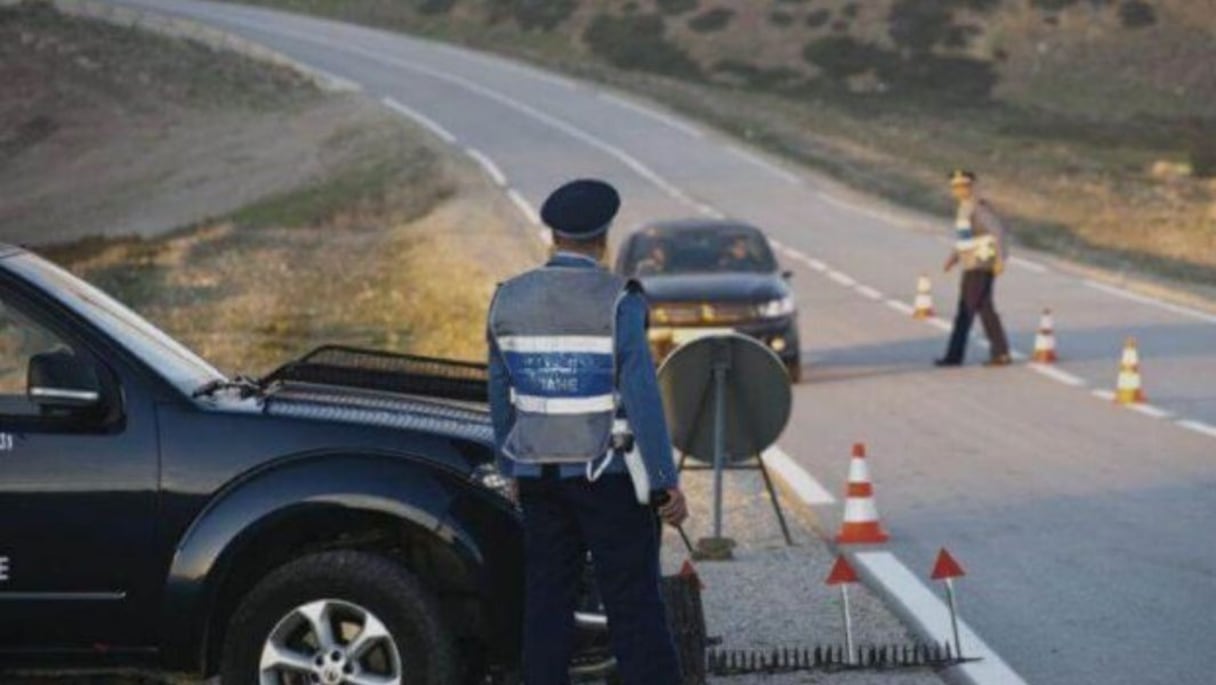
column 1084, row 527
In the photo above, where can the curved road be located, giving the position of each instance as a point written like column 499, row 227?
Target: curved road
column 1084, row 527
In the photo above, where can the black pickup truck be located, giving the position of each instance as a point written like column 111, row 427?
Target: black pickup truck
column 338, row 521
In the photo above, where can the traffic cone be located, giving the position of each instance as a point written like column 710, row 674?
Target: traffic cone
column 923, row 305
column 1045, row 340
column 1128, row 389
column 860, row 525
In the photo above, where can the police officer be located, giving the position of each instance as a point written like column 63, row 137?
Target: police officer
column 981, row 247
column 572, row 386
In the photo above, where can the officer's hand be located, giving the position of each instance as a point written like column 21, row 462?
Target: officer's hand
column 998, row 267
column 950, row 262
column 676, row 510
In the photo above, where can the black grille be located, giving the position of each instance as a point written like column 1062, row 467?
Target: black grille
column 353, row 367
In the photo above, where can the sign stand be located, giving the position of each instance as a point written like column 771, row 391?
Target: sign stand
column 948, row 569
column 726, row 398
column 843, row 574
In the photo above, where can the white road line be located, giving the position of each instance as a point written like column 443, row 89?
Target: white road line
column 940, row 323
column 842, row 278
column 758, row 161
column 1017, row 355
column 797, row 478
column 1107, row 395
column 860, row 209
column 655, row 114
column 869, row 292
column 1151, row 301
column 488, row 164
column 1028, row 265
column 421, row 118
column 900, row 306
column 1198, row 426
column 1150, row 410
column 1056, row 374
column 816, row 264
column 468, row 84
column 776, row 243
column 709, row 210
column 931, row 618
column 524, row 206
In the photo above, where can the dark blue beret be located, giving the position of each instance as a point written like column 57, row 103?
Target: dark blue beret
column 581, row 209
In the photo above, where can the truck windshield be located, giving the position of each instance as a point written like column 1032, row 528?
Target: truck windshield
column 172, row 360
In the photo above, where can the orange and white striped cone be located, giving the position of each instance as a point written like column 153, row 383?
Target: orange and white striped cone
column 1128, row 389
column 922, row 307
column 1045, row 340
column 860, row 525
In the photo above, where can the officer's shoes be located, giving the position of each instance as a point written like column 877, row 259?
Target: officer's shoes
column 945, row 362
column 1002, row 360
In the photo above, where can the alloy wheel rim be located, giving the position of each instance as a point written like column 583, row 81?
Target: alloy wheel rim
column 330, row 642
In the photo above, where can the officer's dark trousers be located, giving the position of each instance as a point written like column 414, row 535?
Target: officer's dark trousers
column 975, row 297
column 562, row 519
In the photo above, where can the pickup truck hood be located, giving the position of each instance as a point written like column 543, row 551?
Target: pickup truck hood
column 318, row 402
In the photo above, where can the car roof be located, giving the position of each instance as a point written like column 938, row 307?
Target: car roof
column 677, row 225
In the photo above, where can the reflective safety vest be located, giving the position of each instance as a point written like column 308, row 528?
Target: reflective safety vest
column 976, row 249
column 555, row 328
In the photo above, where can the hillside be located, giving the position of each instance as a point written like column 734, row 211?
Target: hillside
column 1094, row 121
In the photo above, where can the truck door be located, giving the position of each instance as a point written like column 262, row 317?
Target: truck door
column 78, row 494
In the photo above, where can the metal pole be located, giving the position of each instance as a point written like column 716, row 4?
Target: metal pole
column 848, row 624
column 958, row 646
column 719, row 441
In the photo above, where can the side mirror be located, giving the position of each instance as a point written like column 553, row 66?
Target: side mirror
column 61, row 380
column 787, row 274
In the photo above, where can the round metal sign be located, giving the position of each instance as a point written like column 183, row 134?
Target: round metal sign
column 756, row 396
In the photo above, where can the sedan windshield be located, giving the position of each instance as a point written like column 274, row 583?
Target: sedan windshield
column 698, row 250
column 173, row 361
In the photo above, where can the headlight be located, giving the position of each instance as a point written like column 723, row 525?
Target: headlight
column 775, row 308
column 488, row 477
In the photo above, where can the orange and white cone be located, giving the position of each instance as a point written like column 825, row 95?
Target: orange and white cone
column 1045, row 340
column 860, row 525
column 1128, row 389
column 922, row 306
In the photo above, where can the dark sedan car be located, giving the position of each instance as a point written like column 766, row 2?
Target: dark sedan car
column 704, row 277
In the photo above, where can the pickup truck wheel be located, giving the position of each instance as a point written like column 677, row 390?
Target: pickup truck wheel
column 338, row 618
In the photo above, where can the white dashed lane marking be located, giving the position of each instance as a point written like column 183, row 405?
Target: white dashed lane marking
column 421, row 118
column 654, row 114
column 1198, row 426
column 1057, row 374
column 488, row 164
column 761, row 163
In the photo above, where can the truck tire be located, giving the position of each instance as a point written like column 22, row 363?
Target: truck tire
column 380, row 622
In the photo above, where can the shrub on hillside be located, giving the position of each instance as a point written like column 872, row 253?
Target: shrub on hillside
column 918, row 25
column 638, row 42
column 840, row 57
column 435, row 6
column 818, row 18
column 1203, row 149
column 533, row 14
column 781, row 19
column 676, row 6
column 750, row 75
column 1053, row 5
column 712, row 20
column 1137, row 14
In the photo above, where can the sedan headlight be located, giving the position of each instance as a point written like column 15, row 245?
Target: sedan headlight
column 775, row 308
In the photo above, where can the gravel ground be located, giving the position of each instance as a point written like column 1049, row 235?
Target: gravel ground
column 772, row 595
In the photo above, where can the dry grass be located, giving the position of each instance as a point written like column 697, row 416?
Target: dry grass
column 386, row 267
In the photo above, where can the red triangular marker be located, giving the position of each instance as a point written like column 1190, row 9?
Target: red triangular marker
column 687, row 571
column 842, row 572
column 946, row 567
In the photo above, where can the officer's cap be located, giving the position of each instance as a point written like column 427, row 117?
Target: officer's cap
column 962, row 177
column 582, row 209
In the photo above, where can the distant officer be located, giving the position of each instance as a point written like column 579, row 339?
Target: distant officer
column 569, row 363
column 981, row 246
